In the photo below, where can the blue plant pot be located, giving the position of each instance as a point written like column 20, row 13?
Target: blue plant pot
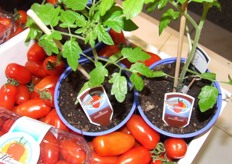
column 79, row 131
column 188, row 135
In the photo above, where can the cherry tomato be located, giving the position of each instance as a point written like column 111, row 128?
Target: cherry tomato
column 21, row 17
column 23, row 94
column 46, row 82
column 36, row 53
column 49, row 149
column 176, row 148
column 137, row 155
column 108, row 145
column 153, row 58
column 53, row 66
column 72, row 152
column 6, row 22
column 47, row 96
column 35, row 80
column 108, row 51
column 118, row 38
column 53, row 119
column 143, row 133
column 36, row 68
column 8, row 95
column 34, row 108
column 97, row 159
column 18, row 72
column 62, row 162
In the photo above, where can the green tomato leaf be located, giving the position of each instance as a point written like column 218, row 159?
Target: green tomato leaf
column 98, row 74
column 105, row 6
column 115, row 20
column 71, row 51
column 68, row 19
column 162, row 4
column 48, row 44
column 76, row 5
column 207, row 98
column 141, row 69
column 166, row 18
column 201, row 1
column 135, row 55
column 104, row 36
column 47, row 13
column 137, row 81
column 131, row 8
column 119, row 87
column 208, row 76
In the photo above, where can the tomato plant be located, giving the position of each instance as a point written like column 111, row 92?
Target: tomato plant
column 72, row 152
column 23, row 94
column 18, row 73
column 34, row 108
column 53, row 66
column 137, row 155
column 36, row 53
column 53, row 119
column 36, row 68
column 113, row 144
column 49, row 149
column 8, row 93
column 144, row 134
column 175, row 147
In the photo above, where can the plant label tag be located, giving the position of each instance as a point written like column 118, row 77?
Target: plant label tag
column 200, row 61
column 177, row 109
column 96, row 105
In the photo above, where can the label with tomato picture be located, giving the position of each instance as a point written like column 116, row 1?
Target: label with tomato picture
column 96, row 105
column 177, row 109
column 21, row 143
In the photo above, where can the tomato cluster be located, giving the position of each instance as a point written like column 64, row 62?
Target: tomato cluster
column 29, row 90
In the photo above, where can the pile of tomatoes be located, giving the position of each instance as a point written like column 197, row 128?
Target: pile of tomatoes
column 29, row 91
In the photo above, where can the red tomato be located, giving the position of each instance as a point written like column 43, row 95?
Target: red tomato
column 35, row 80
column 21, row 17
column 23, row 94
column 49, row 149
column 118, row 38
column 47, row 96
column 72, row 152
column 52, row 1
column 113, row 144
column 175, row 148
column 53, row 119
column 34, row 108
column 108, row 51
column 5, row 21
column 137, row 155
column 143, row 133
column 36, row 68
column 97, row 159
column 53, row 66
column 46, row 82
column 8, row 95
column 153, row 58
column 18, row 72
column 36, row 53
column 7, row 125
column 62, row 162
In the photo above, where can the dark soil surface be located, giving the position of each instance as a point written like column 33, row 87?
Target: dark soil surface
column 152, row 98
column 75, row 115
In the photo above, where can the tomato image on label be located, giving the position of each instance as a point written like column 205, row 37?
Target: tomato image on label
column 16, row 149
column 179, row 107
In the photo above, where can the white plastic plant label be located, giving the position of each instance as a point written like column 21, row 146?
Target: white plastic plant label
column 96, row 105
column 200, row 61
column 21, row 144
column 177, row 109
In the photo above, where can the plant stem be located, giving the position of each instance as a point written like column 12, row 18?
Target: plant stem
column 195, row 43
